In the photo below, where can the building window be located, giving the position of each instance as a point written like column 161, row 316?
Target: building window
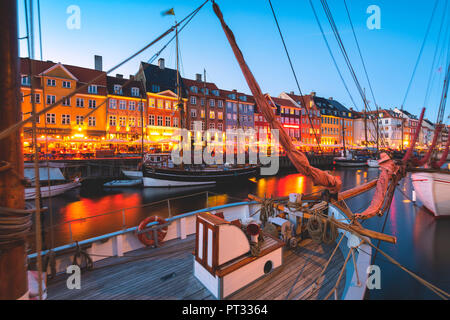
column 194, row 100
column 122, row 105
column 168, row 105
column 92, row 122
column 212, row 103
column 66, row 84
column 167, row 121
column 194, row 89
column 140, row 106
column 51, row 82
column 151, row 120
column 135, row 92
column 51, row 99
column 212, row 125
column 220, row 126
column 92, row 104
column 113, row 104
column 117, row 89
column 160, row 104
column 37, row 98
column 202, row 101
column 79, row 120
column 160, row 121
column 65, row 119
column 155, row 88
column 212, row 115
column 229, row 116
column 66, row 102
column 51, row 118
column 80, row 103
column 92, row 89
column 151, row 103
column 132, row 121
column 175, row 122
column 202, row 113
column 132, row 105
column 112, row 121
column 26, row 80
column 220, row 104
column 123, row 121
column 220, row 115
column 193, row 113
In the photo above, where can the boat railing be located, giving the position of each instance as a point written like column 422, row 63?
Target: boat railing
column 125, row 228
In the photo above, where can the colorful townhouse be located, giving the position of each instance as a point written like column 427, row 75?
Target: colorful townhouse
column 290, row 116
column 205, row 104
column 310, row 118
column 240, row 110
column 74, row 119
column 127, row 103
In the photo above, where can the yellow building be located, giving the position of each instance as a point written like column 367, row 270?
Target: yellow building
column 73, row 120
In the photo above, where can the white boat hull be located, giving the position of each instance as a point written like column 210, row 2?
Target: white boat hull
column 52, row 191
column 159, row 183
column 134, row 175
column 433, row 190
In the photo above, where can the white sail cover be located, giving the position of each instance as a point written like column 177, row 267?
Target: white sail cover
column 55, row 174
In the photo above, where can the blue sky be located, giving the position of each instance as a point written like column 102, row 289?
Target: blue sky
column 115, row 29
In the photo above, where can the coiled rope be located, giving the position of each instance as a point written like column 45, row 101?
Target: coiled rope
column 14, row 225
column 320, row 231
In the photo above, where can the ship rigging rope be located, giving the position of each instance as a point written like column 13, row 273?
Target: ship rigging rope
column 420, row 53
column 350, row 68
column 295, row 75
column 335, row 30
column 5, row 133
column 14, row 225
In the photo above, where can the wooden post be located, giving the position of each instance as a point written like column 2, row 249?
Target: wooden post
column 13, row 265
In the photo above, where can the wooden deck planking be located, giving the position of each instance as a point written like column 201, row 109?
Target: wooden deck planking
column 138, row 276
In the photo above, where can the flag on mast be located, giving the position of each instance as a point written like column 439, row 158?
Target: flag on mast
column 170, row 12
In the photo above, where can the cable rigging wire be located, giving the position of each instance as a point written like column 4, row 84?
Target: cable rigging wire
column 295, row 75
column 420, row 53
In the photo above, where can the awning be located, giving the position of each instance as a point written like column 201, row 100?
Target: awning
column 55, row 174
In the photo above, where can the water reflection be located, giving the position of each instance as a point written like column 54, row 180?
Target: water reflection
column 422, row 240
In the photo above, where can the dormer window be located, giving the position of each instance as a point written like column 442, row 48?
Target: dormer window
column 135, row 92
column 92, row 88
column 215, row 92
column 26, row 80
column 194, row 89
column 156, row 88
column 117, row 89
column 243, row 98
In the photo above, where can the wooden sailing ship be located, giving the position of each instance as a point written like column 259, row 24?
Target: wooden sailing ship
column 246, row 250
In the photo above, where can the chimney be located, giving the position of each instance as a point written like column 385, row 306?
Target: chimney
column 330, row 98
column 292, row 93
column 131, row 76
column 161, row 63
column 198, row 77
column 98, row 61
column 313, row 93
column 119, row 76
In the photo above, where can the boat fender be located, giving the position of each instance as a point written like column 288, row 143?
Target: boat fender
column 147, row 237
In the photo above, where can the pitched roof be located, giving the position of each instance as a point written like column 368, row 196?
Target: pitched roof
column 165, row 78
column 284, row 102
column 126, row 90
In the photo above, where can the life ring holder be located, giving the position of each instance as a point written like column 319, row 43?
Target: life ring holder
column 147, row 238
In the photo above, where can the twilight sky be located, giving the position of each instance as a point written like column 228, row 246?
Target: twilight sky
column 116, row 28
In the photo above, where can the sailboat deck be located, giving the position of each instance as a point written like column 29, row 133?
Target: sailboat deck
column 167, row 273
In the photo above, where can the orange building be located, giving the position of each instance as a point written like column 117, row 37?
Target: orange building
column 72, row 121
column 163, row 117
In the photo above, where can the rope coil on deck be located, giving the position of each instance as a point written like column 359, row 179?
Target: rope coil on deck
column 81, row 255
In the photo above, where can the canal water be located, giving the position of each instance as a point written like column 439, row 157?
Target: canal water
column 423, row 244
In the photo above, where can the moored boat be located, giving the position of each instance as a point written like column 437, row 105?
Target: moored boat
column 123, row 184
column 432, row 188
column 52, row 183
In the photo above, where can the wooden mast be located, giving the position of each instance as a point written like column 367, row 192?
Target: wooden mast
column 13, row 263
